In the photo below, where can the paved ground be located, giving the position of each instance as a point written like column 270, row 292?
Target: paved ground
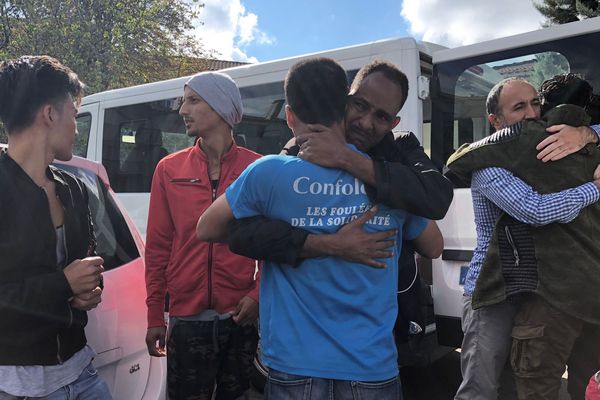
column 437, row 382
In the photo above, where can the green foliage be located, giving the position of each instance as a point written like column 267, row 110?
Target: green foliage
column 108, row 43
column 563, row 11
column 548, row 65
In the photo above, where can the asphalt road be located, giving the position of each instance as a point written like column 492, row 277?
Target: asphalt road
column 436, row 382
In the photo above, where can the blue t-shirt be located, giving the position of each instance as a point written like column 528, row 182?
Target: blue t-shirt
column 328, row 317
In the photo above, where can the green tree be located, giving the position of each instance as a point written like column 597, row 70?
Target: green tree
column 108, row 43
column 548, row 65
column 563, row 11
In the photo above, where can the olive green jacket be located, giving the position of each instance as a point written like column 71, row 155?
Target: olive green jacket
column 560, row 262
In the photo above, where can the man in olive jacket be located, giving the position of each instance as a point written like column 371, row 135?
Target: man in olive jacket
column 553, row 270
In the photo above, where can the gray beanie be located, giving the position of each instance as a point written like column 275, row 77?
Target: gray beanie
column 221, row 93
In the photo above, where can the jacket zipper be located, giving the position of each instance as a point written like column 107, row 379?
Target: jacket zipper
column 65, row 263
column 58, row 357
column 210, row 249
column 58, row 346
column 512, row 244
column 66, row 252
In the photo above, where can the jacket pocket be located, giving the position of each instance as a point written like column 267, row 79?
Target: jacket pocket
column 192, row 181
column 517, row 256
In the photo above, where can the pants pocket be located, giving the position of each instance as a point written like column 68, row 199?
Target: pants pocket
column 381, row 390
column 282, row 386
column 527, row 349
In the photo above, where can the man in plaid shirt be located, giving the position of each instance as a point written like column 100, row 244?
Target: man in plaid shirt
column 487, row 330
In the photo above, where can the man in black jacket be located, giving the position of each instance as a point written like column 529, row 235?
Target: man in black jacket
column 49, row 276
column 399, row 174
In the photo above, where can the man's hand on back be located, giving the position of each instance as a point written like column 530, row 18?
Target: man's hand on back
column 564, row 140
column 353, row 243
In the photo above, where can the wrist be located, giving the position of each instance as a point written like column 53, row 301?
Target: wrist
column 320, row 245
column 331, row 247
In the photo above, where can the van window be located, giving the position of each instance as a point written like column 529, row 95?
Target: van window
column 137, row 136
column 263, row 128
column 84, row 124
column 470, row 121
column 460, row 87
column 473, row 85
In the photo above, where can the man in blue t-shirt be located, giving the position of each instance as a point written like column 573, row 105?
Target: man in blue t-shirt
column 328, row 319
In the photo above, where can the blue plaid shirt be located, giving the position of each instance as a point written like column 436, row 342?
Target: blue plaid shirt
column 496, row 189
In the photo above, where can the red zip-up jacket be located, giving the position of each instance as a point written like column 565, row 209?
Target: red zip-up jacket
column 198, row 275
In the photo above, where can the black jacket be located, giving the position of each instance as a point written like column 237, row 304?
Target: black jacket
column 37, row 324
column 405, row 179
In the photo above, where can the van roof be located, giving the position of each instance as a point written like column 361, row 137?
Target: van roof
column 523, row 39
column 244, row 71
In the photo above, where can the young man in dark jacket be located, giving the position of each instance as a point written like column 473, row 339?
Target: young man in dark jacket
column 49, row 276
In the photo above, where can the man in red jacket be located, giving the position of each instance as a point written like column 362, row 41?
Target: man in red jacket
column 213, row 294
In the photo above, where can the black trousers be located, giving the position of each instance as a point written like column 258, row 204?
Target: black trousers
column 203, row 354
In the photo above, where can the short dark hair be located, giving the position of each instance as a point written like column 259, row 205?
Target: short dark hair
column 28, row 83
column 317, row 90
column 565, row 89
column 389, row 70
column 493, row 98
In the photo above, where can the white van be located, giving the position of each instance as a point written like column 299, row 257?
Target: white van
column 130, row 129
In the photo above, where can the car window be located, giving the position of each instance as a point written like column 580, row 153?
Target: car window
column 115, row 242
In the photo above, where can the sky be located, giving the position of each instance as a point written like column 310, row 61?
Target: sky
column 263, row 30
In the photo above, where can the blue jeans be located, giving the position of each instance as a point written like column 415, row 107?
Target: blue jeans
column 282, row 386
column 88, row 386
